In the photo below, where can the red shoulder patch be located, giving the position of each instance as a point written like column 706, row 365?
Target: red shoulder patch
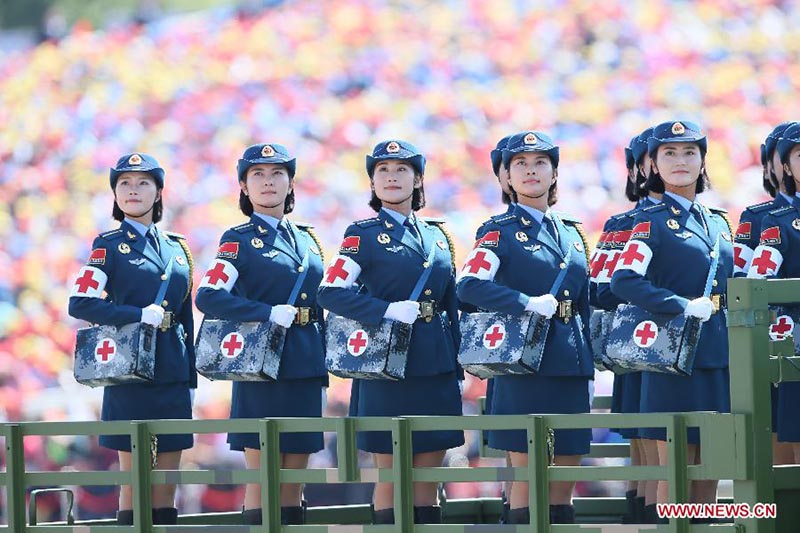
column 228, row 250
column 744, row 230
column 491, row 239
column 98, row 257
column 350, row 245
column 641, row 231
column 621, row 238
column 771, row 236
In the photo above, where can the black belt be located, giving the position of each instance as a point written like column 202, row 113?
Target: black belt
column 305, row 315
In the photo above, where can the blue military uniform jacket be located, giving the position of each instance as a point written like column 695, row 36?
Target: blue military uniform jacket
column 515, row 258
column 666, row 262
column 748, row 232
column 129, row 270
column 381, row 257
column 780, row 238
column 256, row 269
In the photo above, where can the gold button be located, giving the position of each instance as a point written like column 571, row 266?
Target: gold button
column 303, row 296
column 712, row 254
column 164, row 303
column 428, row 292
column 163, row 277
column 714, row 283
column 562, row 266
column 426, row 264
column 300, row 269
column 566, row 292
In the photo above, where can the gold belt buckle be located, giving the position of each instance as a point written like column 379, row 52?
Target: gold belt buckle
column 166, row 322
column 565, row 309
column 303, row 316
column 426, row 311
column 716, row 299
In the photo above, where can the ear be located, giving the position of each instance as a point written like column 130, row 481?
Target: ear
column 555, row 175
column 159, row 194
column 243, row 187
column 418, row 180
column 787, row 170
column 654, row 167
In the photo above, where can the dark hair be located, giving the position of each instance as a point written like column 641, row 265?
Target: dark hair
column 789, row 183
column 770, row 181
column 246, row 206
column 505, row 198
column 417, row 197
column 158, row 210
column 631, row 190
column 655, row 184
column 552, row 194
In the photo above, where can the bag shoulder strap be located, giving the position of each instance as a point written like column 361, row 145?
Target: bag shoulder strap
column 712, row 271
column 300, row 279
column 423, row 278
column 562, row 273
column 162, row 290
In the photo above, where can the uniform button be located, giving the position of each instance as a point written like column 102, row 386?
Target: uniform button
column 163, row 277
column 300, row 269
column 164, row 303
column 566, row 292
column 712, row 254
column 428, row 292
column 303, row 296
column 426, row 264
column 714, row 283
column 562, row 266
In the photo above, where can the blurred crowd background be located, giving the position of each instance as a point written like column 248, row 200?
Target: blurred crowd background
column 89, row 81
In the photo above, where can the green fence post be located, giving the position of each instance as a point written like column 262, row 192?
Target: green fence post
column 402, row 475
column 538, row 486
column 141, row 465
column 677, row 471
column 346, row 452
column 15, row 478
column 269, row 441
column 748, row 321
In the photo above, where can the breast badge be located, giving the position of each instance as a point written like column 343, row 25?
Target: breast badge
column 383, row 238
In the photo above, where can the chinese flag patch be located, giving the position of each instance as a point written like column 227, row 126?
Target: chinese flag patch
column 621, row 238
column 744, row 230
column 641, row 231
column 771, row 236
column 98, row 257
column 350, row 245
column 228, row 250
column 492, row 239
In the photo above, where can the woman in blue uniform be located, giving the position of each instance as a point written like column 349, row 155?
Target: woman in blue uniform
column 627, row 387
column 777, row 257
column 497, row 277
column 129, row 264
column 256, row 268
column 746, row 241
column 680, row 229
column 386, row 256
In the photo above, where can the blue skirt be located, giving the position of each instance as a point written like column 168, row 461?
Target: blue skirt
column 535, row 394
column 625, row 399
column 707, row 389
column 414, row 395
column 147, row 401
column 487, row 410
column 788, row 420
column 274, row 399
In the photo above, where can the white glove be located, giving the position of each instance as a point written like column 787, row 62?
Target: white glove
column 283, row 314
column 406, row 311
column 152, row 315
column 545, row 305
column 701, row 308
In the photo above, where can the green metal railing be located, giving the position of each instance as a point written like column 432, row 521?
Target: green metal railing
column 736, row 446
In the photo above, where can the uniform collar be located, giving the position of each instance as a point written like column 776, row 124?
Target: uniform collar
column 397, row 217
column 140, row 228
column 683, row 202
column 535, row 213
column 272, row 221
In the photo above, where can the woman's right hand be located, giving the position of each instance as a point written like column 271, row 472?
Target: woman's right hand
column 544, row 305
column 152, row 315
column 406, row 311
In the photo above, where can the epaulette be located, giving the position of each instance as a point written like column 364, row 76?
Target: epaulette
column 763, row 206
column 724, row 214
column 783, row 211
column 304, row 225
column 504, row 220
column 243, row 228
column 174, row 235
column 569, row 219
column 655, row 208
column 112, row 235
column 367, row 222
column 715, row 209
column 439, row 223
column 433, row 220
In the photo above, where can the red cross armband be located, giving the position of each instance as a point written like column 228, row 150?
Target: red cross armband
column 90, row 283
column 742, row 255
column 342, row 272
column 766, row 262
column 636, row 256
column 221, row 275
column 482, row 264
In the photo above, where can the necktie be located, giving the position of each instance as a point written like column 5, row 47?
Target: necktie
column 550, row 226
column 412, row 229
column 698, row 216
column 153, row 240
column 286, row 235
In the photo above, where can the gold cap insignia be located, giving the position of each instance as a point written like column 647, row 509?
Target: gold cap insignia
column 796, row 223
column 678, row 129
column 256, row 242
column 392, row 148
column 383, row 238
column 267, row 151
column 530, row 139
column 135, row 160
column 673, row 224
column 124, row 248
column 521, row 236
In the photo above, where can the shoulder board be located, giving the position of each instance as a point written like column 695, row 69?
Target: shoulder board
column 432, row 220
column 173, row 235
column 242, row 228
column 783, row 211
column 715, row 209
column 569, row 219
column 655, row 208
column 763, row 206
column 367, row 222
column 504, row 219
column 304, row 225
column 113, row 234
